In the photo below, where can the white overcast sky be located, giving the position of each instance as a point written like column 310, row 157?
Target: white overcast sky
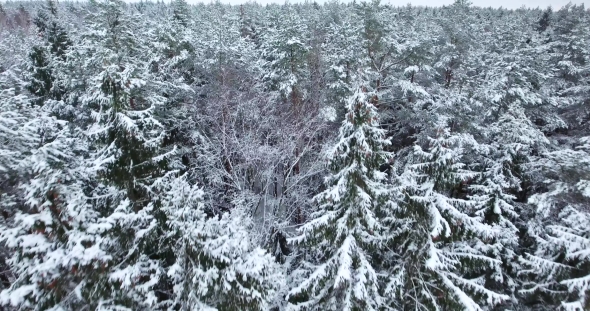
column 511, row 4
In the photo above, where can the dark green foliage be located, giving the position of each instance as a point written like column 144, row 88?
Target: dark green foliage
column 41, row 79
column 45, row 58
column 545, row 20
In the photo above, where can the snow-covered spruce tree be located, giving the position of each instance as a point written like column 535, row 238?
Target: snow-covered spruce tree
column 51, row 233
column 440, row 263
column 568, row 64
column 508, row 93
column 56, row 238
column 569, row 38
column 47, row 56
column 17, row 137
column 545, row 20
column 180, row 12
column 217, row 265
column 341, row 56
column 41, row 193
column 121, row 93
column 504, row 164
column 337, row 269
column 172, row 61
column 559, row 271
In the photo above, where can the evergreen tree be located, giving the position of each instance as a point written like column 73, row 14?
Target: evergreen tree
column 47, row 57
column 126, row 149
column 52, row 233
column 217, row 266
column 180, row 12
column 545, row 20
column 503, row 178
column 558, row 271
column 338, row 244
column 441, row 261
column 56, row 239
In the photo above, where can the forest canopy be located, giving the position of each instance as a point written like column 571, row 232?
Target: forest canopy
column 343, row 156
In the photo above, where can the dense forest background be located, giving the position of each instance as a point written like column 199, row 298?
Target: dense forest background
column 350, row 156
